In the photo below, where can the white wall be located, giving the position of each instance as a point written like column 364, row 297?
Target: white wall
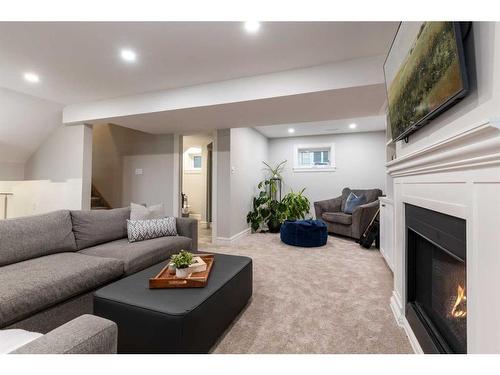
column 11, row 171
column 60, row 157
column 359, row 158
column 249, row 149
column 194, row 183
column 56, row 173
column 40, row 196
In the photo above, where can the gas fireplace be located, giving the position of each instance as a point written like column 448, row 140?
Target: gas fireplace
column 436, row 307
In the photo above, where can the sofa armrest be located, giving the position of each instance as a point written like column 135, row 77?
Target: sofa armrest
column 329, row 205
column 361, row 217
column 87, row 334
column 188, row 228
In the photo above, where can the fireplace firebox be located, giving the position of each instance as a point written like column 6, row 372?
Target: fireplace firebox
column 436, row 306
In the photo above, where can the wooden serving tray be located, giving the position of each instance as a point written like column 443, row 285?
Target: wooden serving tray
column 195, row 280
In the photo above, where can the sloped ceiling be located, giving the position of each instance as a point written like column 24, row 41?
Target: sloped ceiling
column 25, row 122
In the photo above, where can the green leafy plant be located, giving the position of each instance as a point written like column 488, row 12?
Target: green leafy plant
column 296, row 205
column 182, row 260
column 273, row 180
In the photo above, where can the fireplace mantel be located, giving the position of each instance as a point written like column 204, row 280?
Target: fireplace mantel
column 458, row 176
column 475, row 147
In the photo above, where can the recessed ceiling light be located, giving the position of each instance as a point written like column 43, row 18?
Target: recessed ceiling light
column 291, row 130
column 31, row 77
column 128, row 55
column 352, row 126
column 252, row 26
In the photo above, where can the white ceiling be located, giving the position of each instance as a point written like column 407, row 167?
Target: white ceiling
column 25, row 121
column 318, row 106
column 363, row 124
column 79, row 62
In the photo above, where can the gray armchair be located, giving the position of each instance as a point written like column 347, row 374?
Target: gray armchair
column 87, row 334
column 331, row 211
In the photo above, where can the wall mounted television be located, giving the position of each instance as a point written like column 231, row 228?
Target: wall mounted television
column 425, row 74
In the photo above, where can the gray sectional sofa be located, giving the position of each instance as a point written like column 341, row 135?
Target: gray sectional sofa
column 87, row 334
column 50, row 264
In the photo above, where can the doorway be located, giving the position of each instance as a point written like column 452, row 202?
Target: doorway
column 196, row 182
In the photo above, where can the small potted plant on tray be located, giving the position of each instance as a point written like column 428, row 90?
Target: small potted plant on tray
column 182, row 261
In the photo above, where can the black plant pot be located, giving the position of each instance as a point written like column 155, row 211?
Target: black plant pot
column 274, row 226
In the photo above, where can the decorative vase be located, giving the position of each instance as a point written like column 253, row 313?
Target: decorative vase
column 182, row 273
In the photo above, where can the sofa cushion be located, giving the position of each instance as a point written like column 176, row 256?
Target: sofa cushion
column 36, row 284
column 139, row 255
column 99, row 226
column 337, row 217
column 35, row 236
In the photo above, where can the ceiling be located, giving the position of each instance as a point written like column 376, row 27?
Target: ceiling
column 363, row 124
column 79, row 62
column 25, row 121
column 318, row 106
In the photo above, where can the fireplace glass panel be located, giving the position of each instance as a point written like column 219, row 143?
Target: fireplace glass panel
column 440, row 291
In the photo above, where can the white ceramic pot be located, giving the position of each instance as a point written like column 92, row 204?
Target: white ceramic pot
column 171, row 268
column 182, row 273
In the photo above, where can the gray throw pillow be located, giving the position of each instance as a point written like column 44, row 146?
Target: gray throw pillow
column 139, row 212
column 140, row 230
column 352, row 202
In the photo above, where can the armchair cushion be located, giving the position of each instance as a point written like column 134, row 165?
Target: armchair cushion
column 337, row 217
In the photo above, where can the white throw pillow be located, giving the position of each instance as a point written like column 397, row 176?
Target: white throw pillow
column 139, row 212
column 11, row 339
column 140, row 230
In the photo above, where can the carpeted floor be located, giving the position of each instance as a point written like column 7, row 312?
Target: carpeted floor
column 333, row 299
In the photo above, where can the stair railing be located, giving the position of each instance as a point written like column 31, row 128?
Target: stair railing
column 5, row 202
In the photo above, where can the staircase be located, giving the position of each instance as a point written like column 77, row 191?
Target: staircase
column 97, row 201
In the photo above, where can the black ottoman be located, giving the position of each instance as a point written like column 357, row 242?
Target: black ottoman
column 176, row 320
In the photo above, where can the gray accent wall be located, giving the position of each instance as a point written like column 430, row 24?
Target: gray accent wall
column 249, row 149
column 133, row 166
column 360, row 164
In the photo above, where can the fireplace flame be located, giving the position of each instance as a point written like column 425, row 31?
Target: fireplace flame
column 460, row 307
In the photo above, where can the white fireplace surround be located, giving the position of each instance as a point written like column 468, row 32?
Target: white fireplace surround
column 458, row 176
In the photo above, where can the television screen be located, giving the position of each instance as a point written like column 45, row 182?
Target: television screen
column 425, row 74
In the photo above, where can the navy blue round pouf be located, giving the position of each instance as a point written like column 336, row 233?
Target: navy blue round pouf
column 304, row 233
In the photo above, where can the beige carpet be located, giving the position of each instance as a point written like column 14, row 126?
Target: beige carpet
column 333, row 299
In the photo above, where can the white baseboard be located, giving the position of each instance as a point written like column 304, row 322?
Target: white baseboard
column 397, row 308
column 237, row 236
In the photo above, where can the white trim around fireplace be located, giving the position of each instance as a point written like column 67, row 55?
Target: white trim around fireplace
column 458, row 176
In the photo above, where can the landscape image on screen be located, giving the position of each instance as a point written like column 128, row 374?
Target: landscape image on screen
column 422, row 73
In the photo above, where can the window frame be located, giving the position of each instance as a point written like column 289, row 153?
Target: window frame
column 330, row 167
column 189, row 156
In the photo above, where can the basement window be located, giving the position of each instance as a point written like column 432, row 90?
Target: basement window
column 192, row 160
column 314, row 158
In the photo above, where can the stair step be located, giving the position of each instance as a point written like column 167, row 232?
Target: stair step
column 99, row 208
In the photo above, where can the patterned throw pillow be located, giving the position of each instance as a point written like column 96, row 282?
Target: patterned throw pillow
column 140, row 230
